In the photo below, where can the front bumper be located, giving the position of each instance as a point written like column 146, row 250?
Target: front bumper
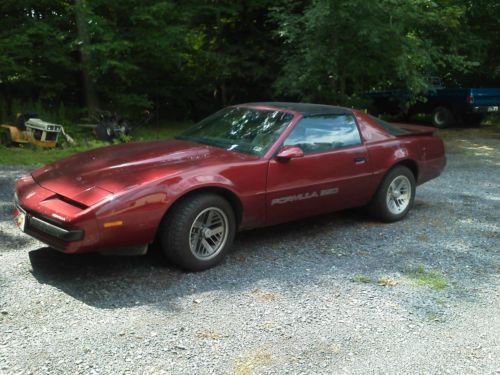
column 37, row 227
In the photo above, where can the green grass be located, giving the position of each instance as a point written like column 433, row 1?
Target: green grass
column 362, row 279
column 19, row 155
column 431, row 279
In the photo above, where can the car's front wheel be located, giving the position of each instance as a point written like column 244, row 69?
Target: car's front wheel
column 199, row 231
column 395, row 195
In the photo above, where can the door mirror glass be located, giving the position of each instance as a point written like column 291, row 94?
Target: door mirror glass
column 289, row 152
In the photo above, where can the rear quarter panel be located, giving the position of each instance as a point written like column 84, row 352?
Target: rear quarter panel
column 386, row 150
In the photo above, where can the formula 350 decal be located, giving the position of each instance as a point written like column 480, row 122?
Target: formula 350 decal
column 304, row 196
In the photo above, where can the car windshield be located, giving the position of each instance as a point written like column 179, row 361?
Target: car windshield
column 247, row 130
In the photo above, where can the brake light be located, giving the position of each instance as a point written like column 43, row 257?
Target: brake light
column 470, row 99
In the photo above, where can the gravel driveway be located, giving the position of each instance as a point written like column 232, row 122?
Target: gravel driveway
column 335, row 294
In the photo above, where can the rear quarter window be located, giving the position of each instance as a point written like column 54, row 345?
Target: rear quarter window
column 389, row 128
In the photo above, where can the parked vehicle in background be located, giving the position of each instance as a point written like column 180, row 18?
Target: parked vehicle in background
column 446, row 106
column 32, row 131
column 246, row 166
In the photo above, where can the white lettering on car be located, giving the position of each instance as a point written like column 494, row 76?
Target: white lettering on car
column 304, row 196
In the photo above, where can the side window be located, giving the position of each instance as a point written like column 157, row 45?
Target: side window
column 323, row 133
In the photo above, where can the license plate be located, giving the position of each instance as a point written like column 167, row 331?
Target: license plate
column 20, row 219
column 493, row 109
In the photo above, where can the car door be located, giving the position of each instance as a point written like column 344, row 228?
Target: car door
column 334, row 173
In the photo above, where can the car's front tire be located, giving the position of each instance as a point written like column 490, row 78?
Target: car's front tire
column 395, row 195
column 199, row 232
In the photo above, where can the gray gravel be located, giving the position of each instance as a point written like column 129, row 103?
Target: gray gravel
column 302, row 298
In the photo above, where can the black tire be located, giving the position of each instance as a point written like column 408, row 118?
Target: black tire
column 179, row 225
column 5, row 137
column 442, row 117
column 104, row 132
column 380, row 205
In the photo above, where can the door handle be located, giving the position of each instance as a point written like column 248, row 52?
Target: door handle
column 360, row 159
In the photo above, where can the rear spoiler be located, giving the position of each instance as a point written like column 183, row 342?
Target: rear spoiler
column 415, row 130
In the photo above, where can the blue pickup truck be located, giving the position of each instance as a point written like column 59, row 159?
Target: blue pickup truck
column 447, row 106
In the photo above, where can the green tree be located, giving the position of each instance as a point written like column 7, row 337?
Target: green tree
column 36, row 51
column 335, row 50
column 235, row 58
column 136, row 51
column 483, row 20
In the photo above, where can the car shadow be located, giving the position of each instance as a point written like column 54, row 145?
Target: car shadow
column 105, row 281
column 305, row 252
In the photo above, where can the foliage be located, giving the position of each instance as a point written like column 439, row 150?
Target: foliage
column 431, row 279
column 362, row 279
column 186, row 59
column 337, row 50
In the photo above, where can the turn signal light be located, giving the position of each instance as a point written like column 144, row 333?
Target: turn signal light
column 111, row 224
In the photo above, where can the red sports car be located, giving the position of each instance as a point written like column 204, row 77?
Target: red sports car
column 246, row 166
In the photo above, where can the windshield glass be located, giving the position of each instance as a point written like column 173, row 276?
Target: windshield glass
column 246, row 130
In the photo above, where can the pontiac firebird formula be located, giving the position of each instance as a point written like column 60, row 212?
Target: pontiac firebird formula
column 246, row 166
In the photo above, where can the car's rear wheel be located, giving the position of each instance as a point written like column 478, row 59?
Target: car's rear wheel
column 442, row 117
column 395, row 195
column 199, row 231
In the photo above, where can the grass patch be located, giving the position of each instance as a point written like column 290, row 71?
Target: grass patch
column 362, row 279
column 19, row 155
column 387, row 281
column 431, row 279
column 434, row 317
column 265, row 296
column 252, row 363
column 210, row 334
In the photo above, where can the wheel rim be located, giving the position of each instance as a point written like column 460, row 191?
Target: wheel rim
column 208, row 234
column 398, row 195
column 439, row 118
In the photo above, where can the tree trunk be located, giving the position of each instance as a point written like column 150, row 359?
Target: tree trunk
column 223, row 94
column 83, row 35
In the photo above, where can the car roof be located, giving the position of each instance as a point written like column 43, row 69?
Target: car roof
column 306, row 109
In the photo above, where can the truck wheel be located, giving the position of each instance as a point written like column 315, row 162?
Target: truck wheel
column 5, row 138
column 442, row 117
column 394, row 197
column 199, row 232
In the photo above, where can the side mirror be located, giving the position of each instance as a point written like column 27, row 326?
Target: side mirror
column 289, row 152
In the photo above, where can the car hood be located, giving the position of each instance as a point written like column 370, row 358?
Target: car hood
column 90, row 176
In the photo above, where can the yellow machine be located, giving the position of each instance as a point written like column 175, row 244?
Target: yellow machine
column 31, row 131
